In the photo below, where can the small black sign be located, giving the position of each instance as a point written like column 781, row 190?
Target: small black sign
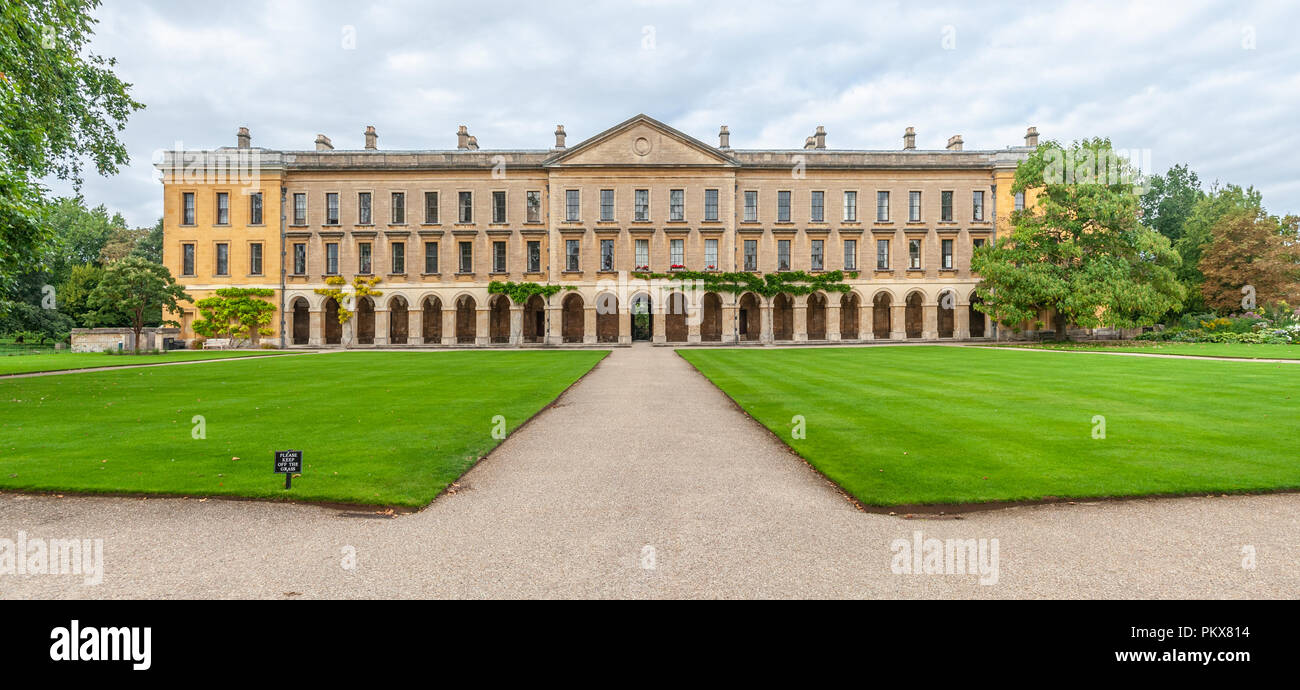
column 288, row 463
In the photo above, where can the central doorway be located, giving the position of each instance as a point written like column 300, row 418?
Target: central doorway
column 642, row 318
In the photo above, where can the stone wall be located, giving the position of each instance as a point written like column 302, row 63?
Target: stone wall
column 101, row 339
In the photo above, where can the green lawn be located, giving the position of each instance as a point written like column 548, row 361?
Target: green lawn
column 911, row 425
column 23, row 364
column 382, row 428
column 1194, row 349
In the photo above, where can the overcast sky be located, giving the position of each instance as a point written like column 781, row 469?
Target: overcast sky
column 1215, row 85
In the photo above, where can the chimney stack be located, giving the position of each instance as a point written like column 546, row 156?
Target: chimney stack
column 372, row 139
column 954, row 142
column 559, row 137
column 243, row 139
column 724, row 138
column 323, row 143
column 909, row 139
column 462, row 138
column 1031, row 137
column 820, row 137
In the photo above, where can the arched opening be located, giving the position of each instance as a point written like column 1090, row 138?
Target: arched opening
column 750, row 318
column 301, row 322
column 675, row 318
column 499, row 319
column 643, row 323
column 365, row 321
column 572, row 326
column 782, row 317
column 815, row 316
column 850, row 306
column 947, row 312
column 607, row 318
column 333, row 329
column 432, row 328
column 711, row 325
column 466, row 320
column 913, row 316
column 977, row 323
column 398, row 325
column 534, row 319
column 881, row 306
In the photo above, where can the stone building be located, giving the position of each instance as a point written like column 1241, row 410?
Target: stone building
column 438, row 226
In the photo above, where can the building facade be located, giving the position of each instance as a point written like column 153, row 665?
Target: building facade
column 436, row 228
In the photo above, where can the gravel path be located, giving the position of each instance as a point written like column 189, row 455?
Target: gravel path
column 645, row 481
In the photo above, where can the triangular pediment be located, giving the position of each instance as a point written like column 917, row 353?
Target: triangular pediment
column 641, row 140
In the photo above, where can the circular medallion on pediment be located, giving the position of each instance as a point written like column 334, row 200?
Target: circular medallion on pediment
column 641, row 146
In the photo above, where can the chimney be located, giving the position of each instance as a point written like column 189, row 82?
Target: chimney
column 323, row 143
column 909, row 139
column 462, row 137
column 954, row 142
column 372, row 139
column 472, row 143
column 1031, row 137
column 810, row 143
column 559, row 137
column 724, row 138
column 244, row 139
column 820, row 137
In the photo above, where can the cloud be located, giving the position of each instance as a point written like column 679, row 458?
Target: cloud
column 1212, row 84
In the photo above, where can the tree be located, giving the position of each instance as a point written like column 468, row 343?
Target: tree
column 1198, row 230
column 74, row 299
column 149, row 246
column 236, row 313
column 78, row 235
column 1249, row 261
column 28, row 322
column 1169, row 200
column 121, row 244
column 136, row 286
column 1080, row 250
column 60, row 105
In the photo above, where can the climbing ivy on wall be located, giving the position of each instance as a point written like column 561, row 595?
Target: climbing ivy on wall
column 519, row 293
column 361, row 287
column 769, row 285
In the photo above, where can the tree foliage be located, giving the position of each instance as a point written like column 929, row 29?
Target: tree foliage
column 1252, row 259
column 32, row 323
column 149, row 245
column 1198, row 230
column 136, row 286
column 121, row 244
column 1080, row 250
column 236, row 313
column 520, row 293
column 60, row 106
column 1169, row 200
